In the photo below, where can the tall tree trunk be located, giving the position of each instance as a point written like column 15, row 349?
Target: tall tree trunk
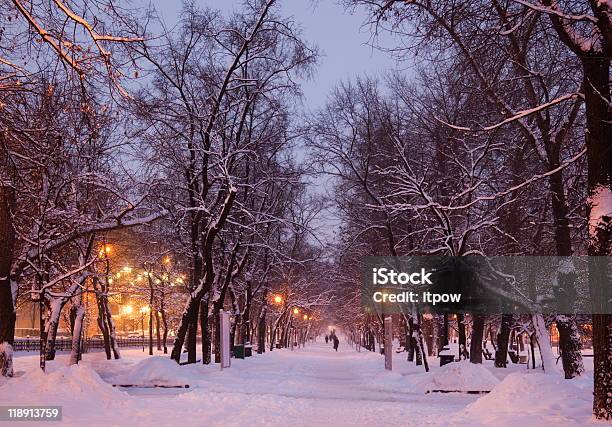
column 217, row 332
column 417, row 340
column 158, row 331
column 101, row 320
column 478, row 323
column 570, row 346
column 111, row 329
column 165, row 332
column 261, row 331
column 56, row 305
column 462, row 337
column 410, row 339
column 190, row 312
column 77, row 315
column 7, row 293
column 205, row 329
column 192, row 336
column 503, row 338
column 599, row 152
column 150, row 331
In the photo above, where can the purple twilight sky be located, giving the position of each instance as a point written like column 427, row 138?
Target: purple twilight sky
column 339, row 34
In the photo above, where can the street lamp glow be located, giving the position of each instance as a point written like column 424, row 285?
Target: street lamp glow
column 278, row 299
column 145, row 309
column 296, row 311
column 127, row 309
column 105, row 250
column 167, row 260
column 305, row 317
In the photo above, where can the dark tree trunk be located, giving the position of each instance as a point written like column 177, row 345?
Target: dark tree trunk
column 217, row 332
column 205, row 328
column 150, row 331
column 478, row 323
column 7, row 308
column 410, row 339
column 570, row 346
column 190, row 312
column 599, row 152
column 261, row 332
column 157, row 331
column 101, row 320
column 51, row 334
column 192, row 336
column 503, row 338
column 77, row 314
column 462, row 338
column 417, row 342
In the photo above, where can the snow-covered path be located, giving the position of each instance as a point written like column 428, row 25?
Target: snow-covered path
column 312, row 386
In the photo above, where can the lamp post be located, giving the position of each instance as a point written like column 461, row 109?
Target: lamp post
column 143, row 311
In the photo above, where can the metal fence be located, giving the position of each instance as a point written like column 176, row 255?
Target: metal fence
column 33, row 344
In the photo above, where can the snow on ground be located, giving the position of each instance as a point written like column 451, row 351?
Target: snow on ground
column 534, row 399
column 463, row 376
column 313, row 386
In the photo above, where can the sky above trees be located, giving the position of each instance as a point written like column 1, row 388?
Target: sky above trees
column 340, row 34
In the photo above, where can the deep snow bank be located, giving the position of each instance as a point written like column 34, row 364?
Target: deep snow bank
column 154, row 371
column 535, row 398
column 59, row 383
column 462, row 376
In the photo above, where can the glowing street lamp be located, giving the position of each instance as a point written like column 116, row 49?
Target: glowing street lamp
column 305, row 317
column 127, row 309
column 278, row 299
column 296, row 310
column 167, row 260
column 105, row 250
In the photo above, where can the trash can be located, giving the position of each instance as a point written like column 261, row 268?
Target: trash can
column 248, row 350
column 446, row 356
column 239, row 351
column 445, row 359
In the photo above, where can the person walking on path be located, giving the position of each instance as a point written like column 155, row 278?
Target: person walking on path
column 336, row 342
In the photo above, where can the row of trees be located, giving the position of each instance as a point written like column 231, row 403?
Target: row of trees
column 483, row 152
column 122, row 146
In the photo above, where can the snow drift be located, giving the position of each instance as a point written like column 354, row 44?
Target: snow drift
column 154, row 372
column 74, row 382
column 463, row 377
column 534, row 398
